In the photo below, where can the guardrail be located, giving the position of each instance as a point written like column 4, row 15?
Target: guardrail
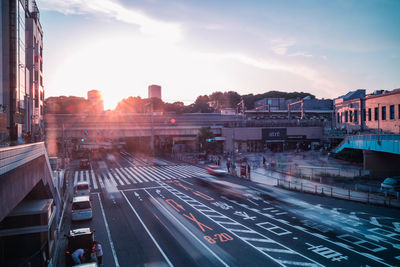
column 342, row 193
column 13, row 157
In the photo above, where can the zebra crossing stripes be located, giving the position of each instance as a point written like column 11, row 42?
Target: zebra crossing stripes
column 87, row 175
column 144, row 176
column 94, row 180
column 81, row 177
column 152, row 170
column 122, row 172
column 135, row 175
column 112, row 179
column 120, row 176
column 76, row 178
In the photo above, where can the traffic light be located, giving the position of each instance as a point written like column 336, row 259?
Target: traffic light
column 209, row 140
column 82, row 139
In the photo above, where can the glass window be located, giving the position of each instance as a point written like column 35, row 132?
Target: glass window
column 392, row 112
column 383, row 113
column 351, row 116
column 355, row 116
column 346, row 116
column 364, row 115
column 376, row 117
column 369, row 114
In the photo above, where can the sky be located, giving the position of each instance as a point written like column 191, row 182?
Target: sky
column 192, row 48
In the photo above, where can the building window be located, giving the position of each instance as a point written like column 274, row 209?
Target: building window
column 364, row 115
column 369, row 114
column 392, row 112
column 398, row 109
column 346, row 116
column 376, row 117
column 355, row 116
column 338, row 117
column 351, row 116
column 383, row 113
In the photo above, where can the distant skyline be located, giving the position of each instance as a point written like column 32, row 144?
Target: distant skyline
column 192, row 48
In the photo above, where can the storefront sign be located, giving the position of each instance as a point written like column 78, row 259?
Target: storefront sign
column 274, row 134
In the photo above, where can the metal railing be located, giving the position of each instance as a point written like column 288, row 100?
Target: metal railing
column 342, row 193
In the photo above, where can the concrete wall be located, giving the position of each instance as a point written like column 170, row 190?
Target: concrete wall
column 381, row 164
column 309, row 132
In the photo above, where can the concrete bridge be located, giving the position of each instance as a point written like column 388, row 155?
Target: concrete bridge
column 381, row 151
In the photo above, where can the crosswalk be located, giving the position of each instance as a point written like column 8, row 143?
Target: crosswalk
column 145, row 161
column 124, row 176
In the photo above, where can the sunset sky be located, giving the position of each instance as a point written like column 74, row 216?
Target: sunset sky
column 191, row 47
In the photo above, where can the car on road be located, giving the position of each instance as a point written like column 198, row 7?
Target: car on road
column 81, row 208
column 216, row 170
column 81, row 189
column 229, row 189
column 79, row 238
column 391, row 184
column 84, row 164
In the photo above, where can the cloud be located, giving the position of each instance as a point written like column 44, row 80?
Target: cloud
column 165, row 31
column 280, row 46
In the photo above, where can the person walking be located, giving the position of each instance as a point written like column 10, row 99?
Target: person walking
column 228, row 165
column 248, row 171
column 99, row 252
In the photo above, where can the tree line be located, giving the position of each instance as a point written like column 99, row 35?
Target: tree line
column 203, row 103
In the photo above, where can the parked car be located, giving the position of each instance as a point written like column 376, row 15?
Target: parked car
column 79, row 238
column 228, row 189
column 84, row 164
column 391, row 184
column 81, row 208
column 215, row 170
column 81, row 189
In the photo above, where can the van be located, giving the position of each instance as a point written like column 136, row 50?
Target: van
column 81, row 189
column 81, row 208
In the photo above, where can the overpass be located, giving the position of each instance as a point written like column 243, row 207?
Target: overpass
column 26, row 187
column 381, row 152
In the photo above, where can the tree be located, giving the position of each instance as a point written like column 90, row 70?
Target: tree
column 67, row 105
column 204, row 139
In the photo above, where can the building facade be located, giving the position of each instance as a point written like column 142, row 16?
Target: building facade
column 376, row 112
column 154, row 91
column 17, row 87
column 96, row 99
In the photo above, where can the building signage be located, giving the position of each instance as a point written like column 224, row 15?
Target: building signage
column 274, row 134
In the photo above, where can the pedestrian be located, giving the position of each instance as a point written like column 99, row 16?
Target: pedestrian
column 264, row 160
column 77, row 255
column 228, row 165
column 248, row 171
column 99, row 251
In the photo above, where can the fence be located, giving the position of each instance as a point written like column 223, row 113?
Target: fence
column 348, row 194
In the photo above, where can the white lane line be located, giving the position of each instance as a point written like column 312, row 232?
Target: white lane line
column 121, row 176
column 76, row 177
column 108, row 232
column 94, row 180
column 187, row 230
column 149, row 172
column 134, row 176
column 134, row 170
column 163, row 175
column 147, row 230
column 176, row 171
column 112, row 179
column 128, row 177
column 88, row 177
column 81, row 176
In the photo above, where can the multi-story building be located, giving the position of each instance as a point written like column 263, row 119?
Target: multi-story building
column 96, row 99
column 17, row 90
column 154, row 91
column 34, row 65
column 376, row 112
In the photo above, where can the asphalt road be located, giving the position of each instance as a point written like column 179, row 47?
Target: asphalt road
column 153, row 212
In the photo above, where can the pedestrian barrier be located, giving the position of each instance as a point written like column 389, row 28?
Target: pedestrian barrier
column 341, row 193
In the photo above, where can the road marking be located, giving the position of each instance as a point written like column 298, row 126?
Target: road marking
column 144, row 174
column 88, row 177
column 112, row 179
column 116, row 177
column 319, row 236
column 94, row 179
column 361, row 243
column 120, row 177
column 273, row 228
column 108, row 232
column 147, row 230
column 81, row 176
column 149, row 170
column 134, row 174
column 247, row 231
column 122, row 172
column 101, row 181
column 187, row 230
column 76, row 177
